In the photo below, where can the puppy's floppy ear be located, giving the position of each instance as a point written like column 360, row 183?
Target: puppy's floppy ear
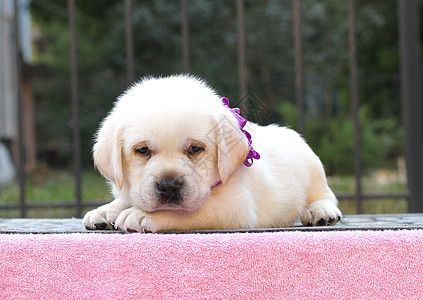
column 108, row 152
column 232, row 147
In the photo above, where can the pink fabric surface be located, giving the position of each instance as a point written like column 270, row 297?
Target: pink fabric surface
column 282, row 265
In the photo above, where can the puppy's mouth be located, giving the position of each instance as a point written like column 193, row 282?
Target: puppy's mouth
column 172, row 207
column 176, row 207
column 173, row 195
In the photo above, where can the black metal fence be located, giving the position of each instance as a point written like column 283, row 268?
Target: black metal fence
column 410, row 87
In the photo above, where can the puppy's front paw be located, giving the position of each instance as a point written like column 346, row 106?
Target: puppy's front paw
column 321, row 213
column 136, row 220
column 102, row 218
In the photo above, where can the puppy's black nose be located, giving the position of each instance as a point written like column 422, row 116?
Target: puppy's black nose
column 169, row 190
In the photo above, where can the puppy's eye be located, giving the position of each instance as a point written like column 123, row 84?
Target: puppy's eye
column 144, row 151
column 194, row 149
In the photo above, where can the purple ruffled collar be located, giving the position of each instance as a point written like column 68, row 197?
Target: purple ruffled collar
column 252, row 154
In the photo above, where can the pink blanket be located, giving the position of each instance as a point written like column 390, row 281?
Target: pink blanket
column 281, row 265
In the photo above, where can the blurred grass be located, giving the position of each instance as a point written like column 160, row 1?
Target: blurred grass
column 58, row 187
column 55, row 187
column 370, row 185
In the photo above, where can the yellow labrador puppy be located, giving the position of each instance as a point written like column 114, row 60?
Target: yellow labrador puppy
column 178, row 158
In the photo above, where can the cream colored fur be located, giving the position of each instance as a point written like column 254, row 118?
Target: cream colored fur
column 168, row 116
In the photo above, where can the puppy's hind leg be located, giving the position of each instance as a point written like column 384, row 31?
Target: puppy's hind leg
column 321, row 213
column 321, row 206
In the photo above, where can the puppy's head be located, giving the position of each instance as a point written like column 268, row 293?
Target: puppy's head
column 167, row 143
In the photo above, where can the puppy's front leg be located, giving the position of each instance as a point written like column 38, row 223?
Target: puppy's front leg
column 213, row 215
column 134, row 219
column 104, row 217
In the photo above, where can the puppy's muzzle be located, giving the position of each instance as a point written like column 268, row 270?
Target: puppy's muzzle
column 169, row 190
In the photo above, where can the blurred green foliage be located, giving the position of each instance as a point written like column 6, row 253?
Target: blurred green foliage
column 270, row 61
column 333, row 140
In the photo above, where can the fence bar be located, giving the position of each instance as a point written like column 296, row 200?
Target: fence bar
column 299, row 86
column 374, row 196
column 242, row 63
column 411, row 93
column 354, row 95
column 129, row 38
column 21, row 140
column 185, row 36
column 58, row 204
column 54, row 205
column 75, row 107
